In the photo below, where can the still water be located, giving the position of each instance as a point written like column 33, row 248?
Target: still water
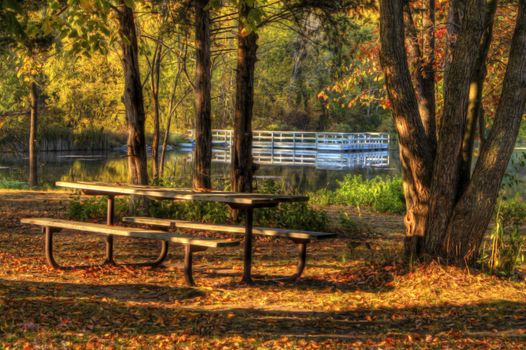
column 301, row 170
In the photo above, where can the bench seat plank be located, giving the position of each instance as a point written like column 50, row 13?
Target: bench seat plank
column 130, row 232
column 274, row 232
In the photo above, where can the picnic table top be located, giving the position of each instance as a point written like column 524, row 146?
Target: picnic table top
column 181, row 193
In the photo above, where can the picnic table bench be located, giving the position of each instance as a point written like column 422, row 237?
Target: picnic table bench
column 301, row 238
column 191, row 244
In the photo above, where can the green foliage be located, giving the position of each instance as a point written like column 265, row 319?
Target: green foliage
column 299, row 216
column 290, row 215
column 505, row 250
column 383, row 195
column 13, row 184
column 208, row 212
column 94, row 208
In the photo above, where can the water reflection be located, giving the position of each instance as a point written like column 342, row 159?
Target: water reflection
column 300, row 170
column 319, row 160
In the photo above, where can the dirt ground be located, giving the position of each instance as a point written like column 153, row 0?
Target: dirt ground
column 353, row 294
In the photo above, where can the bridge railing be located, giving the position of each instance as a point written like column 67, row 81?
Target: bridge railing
column 306, row 139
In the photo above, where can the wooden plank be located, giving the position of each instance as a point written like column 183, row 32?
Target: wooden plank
column 274, row 232
column 182, row 194
column 130, row 232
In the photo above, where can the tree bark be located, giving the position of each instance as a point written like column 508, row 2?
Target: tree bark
column 133, row 96
column 415, row 153
column 203, row 123
column 423, row 60
column 33, row 130
column 155, row 82
column 445, row 180
column 475, row 111
column 472, row 214
column 242, row 166
column 454, row 219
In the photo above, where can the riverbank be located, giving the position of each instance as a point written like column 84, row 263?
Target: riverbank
column 355, row 293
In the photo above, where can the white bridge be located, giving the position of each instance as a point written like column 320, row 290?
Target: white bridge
column 304, row 140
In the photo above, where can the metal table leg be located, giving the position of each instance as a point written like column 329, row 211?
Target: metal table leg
column 247, row 268
column 110, row 218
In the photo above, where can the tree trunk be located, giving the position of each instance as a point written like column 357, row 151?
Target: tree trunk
column 416, row 155
column 475, row 111
column 165, row 145
column 452, row 218
column 423, row 60
column 203, row 123
column 33, row 129
column 446, row 177
column 155, row 82
column 133, row 97
column 473, row 212
column 242, row 166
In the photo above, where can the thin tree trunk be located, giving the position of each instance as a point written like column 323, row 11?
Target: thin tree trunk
column 133, row 97
column 155, row 82
column 33, row 129
column 165, row 145
column 242, row 165
column 203, row 123
column 475, row 110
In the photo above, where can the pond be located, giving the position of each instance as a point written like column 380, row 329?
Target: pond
column 301, row 170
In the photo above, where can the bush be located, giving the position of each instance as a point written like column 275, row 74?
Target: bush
column 505, row 250
column 383, row 195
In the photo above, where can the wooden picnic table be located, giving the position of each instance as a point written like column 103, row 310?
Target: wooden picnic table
column 245, row 202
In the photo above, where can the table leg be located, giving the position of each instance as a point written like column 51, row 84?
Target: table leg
column 110, row 218
column 247, row 274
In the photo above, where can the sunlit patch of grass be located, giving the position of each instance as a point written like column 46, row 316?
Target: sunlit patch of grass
column 379, row 194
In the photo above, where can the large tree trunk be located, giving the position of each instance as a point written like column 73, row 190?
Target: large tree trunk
column 450, row 215
column 33, row 129
column 242, row 166
column 133, row 97
column 203, row 123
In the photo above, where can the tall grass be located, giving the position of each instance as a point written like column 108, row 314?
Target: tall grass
column 505, row 250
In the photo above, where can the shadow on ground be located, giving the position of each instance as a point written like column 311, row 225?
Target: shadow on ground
column 34, row 307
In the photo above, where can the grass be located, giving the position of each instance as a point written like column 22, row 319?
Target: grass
column 383, row 195
column 13, row 184
column 362, row 298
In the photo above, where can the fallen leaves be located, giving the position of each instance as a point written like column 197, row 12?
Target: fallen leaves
column 340, row 304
